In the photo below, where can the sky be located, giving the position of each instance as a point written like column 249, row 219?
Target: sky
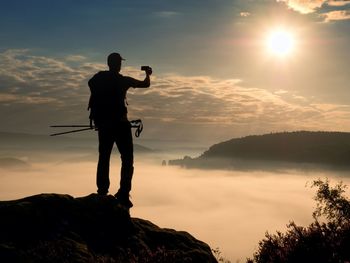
column 214, row 76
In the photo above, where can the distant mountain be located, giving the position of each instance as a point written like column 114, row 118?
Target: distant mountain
column 23, row 141
column 10, row 162
column 302, row 147
column 59, row 228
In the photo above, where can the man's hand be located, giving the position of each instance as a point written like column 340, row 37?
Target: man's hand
column 148, row 71
column 147, row 81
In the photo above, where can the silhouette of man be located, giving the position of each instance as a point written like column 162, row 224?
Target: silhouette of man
column 109, row 113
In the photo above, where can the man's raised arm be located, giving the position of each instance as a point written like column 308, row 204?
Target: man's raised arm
column 146, row 82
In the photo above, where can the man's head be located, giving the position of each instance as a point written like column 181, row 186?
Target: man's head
column 114, row 61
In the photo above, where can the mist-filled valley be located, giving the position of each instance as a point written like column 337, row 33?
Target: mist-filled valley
column 228, row 209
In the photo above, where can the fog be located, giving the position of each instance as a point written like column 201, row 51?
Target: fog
column 230, row 210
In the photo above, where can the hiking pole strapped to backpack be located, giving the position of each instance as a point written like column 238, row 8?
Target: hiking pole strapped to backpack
column 134, row 124
column 138, row 125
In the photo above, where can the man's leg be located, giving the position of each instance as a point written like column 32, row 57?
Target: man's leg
column 125, row 147
column 106, row 141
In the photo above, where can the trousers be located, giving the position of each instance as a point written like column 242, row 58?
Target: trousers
column 121, row 135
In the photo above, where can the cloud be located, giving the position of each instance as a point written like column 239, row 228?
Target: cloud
column 166, row 14
column 304, row 6
column 11, row 98
column 47, row 89
column 312, row 6
column 244, row 14
column 75, row 58
column 336, row 15
column 213, row 105
column 234, row 207
column 207, row 100
column 37, row 91
column 41, row 79
column 338, row 3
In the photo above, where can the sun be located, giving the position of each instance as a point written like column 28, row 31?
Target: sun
column 280, row 43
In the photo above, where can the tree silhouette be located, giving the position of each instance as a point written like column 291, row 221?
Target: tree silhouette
column 327, row 239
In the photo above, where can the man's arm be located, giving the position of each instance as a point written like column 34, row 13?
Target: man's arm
column 146, row 83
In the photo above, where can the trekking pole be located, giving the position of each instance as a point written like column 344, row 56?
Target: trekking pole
column 71, row 126
column 66, row 132
column 134, row 124
column 138, row 125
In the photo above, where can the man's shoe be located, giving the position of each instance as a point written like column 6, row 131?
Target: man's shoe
column 124, row 200
column 102, row 193
column 126, row 203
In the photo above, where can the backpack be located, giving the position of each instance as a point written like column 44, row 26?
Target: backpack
column 107, row 98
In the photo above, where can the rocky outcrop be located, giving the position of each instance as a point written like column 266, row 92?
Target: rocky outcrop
column 60, row 228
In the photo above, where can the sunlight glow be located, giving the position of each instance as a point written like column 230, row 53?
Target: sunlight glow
column 280, row 43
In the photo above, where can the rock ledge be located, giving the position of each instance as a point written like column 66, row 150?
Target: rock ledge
column 60, row 228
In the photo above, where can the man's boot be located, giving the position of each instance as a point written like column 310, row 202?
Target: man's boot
column 123, row 199
column 125, row 186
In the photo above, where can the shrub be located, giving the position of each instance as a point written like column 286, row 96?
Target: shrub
column 327, row 239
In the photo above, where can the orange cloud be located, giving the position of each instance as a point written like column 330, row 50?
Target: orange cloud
column 304, row 6
column 244, row 14
column 311, row 6
column 338, row 2
column 336, row 15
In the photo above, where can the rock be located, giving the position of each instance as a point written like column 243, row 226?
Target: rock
column 60, row 228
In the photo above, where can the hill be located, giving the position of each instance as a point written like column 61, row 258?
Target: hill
column 302, row 147
column 60, row 228
column 10, row 141
column 9, row 162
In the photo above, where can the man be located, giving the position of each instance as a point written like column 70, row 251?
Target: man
column 109, row 113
